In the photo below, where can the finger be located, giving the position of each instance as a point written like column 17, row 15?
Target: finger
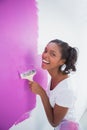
column 30, row 82
column 30, row 87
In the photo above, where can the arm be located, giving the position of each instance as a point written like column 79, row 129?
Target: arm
column 54, row 115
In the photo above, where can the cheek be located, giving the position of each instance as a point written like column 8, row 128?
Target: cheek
column 43, row 55
column 55, row 62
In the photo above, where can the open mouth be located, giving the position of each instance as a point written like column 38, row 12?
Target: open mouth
column 46, row 62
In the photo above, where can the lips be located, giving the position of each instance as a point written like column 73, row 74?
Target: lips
column 45, row 61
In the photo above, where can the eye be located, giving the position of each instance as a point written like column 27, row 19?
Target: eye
column 53, row 54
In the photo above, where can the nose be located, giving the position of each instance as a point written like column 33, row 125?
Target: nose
column 45, row 55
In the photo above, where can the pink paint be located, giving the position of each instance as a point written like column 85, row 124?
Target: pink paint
column 68, row 125
column 18, row 52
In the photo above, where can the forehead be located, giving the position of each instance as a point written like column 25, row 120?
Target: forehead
column 53, row 46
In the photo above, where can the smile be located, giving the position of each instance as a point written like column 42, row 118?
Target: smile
column 47, row 62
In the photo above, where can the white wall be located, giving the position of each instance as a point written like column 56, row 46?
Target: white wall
column 67, row 20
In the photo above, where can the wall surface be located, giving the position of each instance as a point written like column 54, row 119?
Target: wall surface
column 18, row 53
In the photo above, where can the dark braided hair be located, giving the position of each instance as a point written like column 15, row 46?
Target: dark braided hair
column 69, row 54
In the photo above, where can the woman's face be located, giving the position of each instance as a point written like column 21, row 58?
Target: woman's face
column 51, row 57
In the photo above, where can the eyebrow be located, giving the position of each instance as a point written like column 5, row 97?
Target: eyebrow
column 51, row 50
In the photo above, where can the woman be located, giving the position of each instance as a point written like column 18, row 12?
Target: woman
column 59, row 60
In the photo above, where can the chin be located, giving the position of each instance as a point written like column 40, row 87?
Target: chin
column 44, row 67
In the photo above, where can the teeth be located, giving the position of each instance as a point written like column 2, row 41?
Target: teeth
column 46, row 61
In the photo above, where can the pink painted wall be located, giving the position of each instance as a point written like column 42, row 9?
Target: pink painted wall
column 18, row 52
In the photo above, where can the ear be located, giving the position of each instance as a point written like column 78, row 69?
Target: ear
column 62, row 61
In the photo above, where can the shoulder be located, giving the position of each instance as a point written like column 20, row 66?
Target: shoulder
column 64, row 94
column 65, row 85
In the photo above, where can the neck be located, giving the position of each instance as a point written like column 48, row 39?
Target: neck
column 55, row 74
column 56, row 77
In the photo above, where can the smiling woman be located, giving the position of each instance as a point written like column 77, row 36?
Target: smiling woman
column 59, row 99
